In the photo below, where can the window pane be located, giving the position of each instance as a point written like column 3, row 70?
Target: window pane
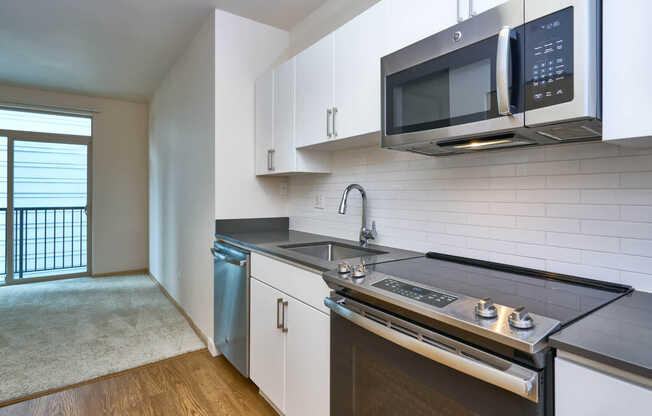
column 44, row 123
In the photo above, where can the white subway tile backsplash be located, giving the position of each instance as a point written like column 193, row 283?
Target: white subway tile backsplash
column 584, row 181
column 617, row 229
column 617, row 164
column 594, row 212
column 637, row 247
column 636, row 180
column 618, row 261
column 549, row 168
column 581, row 209
column 636, row 213
column 618, row 196
column 548, row 224
column 549, row 195
column 585, row 242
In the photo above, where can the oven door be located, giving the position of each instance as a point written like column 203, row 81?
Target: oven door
column 464, row 82
column 382, row 365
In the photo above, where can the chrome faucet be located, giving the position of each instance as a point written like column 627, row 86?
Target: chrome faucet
column 365, row 233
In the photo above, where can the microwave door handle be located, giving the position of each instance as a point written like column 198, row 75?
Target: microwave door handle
column 502, row 71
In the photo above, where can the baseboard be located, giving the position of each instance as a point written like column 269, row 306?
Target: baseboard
column 206, row 340
column 122, row 273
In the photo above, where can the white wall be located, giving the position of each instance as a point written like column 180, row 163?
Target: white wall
column 119, row 175
column 181, row 172
column 244, row 49
column 201, row 155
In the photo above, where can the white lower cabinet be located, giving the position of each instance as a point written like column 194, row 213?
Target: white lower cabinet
column 580, row 390
column 308, row 361
column 289, row 344
column 266, row 343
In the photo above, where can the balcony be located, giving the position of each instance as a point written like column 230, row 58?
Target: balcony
column 47, row 241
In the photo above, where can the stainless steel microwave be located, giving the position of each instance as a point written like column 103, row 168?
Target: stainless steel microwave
column 524, row 73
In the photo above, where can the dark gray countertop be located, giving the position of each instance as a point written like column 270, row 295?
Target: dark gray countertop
column 269, row 242
column 620, row 335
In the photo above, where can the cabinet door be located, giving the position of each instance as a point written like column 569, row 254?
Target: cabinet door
column 413, row 20
column 479, row 6
column 583, row 391
column 267, row 343
column 284, row 149
column 314, row 92
column 357, row 48
column 626, row 82
column 264, row 121
column 308, row 363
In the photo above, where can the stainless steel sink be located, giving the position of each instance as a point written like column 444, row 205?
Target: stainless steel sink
column 332, row 251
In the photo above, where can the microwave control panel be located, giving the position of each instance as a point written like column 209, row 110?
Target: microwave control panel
column 549, row 60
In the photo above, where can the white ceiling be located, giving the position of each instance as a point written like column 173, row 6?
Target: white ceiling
column 114, row 48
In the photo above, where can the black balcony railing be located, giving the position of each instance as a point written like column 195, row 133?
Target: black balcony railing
column 48, row 239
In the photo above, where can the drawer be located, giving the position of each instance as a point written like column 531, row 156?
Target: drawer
column 301, row 284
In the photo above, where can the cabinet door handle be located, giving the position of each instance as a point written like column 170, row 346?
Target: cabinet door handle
column 279, row 302
column 334, row 122
column 329, row 112
column 284, row 328
column 270, row 159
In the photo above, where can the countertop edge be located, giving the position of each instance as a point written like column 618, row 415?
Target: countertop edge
column 601, row 358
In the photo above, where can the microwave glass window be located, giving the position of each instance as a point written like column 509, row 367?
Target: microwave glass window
column 422, row 100
column 456, row 88
column 471, row 85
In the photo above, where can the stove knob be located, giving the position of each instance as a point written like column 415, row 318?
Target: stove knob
column 359, row 271
column 520, row 319
column 344, row 268
column 486, row 309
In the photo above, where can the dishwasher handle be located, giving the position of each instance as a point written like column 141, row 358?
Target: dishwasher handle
column 222, row 257
column 511, row 377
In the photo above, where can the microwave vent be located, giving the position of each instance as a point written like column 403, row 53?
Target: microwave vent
column 570, row 133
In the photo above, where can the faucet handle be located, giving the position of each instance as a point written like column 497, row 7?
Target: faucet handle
column 374, row 232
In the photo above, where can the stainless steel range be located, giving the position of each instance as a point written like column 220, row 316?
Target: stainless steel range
column 444, row 335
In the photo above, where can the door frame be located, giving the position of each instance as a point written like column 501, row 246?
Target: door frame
column 12, row 136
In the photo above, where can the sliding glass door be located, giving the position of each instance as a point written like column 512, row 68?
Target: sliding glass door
column 45, row 215
column 46, row 206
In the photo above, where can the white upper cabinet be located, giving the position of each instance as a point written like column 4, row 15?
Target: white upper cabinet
column 478, row 6
column 314, row 93
column 264, row 122
column 357, row 49
column 276, row 152
column 413, row 20
column 626, row 84
column 284, row 148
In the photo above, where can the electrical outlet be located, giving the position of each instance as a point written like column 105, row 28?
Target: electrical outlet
column 319, row 201
column 283, row 189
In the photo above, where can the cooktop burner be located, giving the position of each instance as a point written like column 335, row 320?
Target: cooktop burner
column 512, row 305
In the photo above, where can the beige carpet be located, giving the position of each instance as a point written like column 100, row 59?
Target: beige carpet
column 58, row 333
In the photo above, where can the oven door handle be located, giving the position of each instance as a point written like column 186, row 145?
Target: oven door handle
column 514, row 378
column 503, row 58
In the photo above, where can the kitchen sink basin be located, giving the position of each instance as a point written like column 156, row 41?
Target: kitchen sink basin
column 332, row 251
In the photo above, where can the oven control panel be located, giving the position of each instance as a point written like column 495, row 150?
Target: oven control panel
column 417, row 293
column 549, row 60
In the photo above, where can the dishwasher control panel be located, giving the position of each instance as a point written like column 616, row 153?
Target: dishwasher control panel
column 417, row 293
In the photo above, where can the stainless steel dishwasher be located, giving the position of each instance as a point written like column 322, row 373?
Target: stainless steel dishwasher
column 231, row 300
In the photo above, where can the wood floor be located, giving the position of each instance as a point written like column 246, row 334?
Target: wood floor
column 192, row 384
